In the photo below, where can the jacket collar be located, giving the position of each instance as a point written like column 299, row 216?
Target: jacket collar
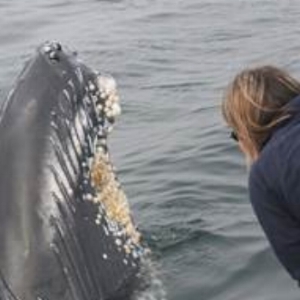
column 293, row 108
column 294, row 104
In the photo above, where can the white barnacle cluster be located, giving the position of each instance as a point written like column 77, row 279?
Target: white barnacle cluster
column 111, row 197
column 108, row 92
column 103, row 93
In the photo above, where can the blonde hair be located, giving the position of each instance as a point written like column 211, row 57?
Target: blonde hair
column 255, row 102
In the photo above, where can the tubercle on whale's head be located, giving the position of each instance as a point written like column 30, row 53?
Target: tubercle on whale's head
column 52, row 49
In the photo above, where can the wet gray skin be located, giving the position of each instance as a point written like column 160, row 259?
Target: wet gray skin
column 56, row 242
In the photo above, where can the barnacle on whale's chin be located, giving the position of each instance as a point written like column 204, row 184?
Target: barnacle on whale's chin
column 112, row 196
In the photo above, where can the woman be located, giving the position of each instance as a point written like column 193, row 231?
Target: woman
column 262, row 106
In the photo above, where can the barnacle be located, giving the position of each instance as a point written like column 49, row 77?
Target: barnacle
column 111, row 195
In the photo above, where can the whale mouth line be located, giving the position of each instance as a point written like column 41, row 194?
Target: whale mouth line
column 67, row 229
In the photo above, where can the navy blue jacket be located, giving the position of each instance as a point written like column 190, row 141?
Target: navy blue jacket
column 274, row 185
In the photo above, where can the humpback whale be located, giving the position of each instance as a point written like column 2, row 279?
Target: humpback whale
column 66, row 229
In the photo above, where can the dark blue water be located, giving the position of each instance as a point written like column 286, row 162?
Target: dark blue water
column 185, row 179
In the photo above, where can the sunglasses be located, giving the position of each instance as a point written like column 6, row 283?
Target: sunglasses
column 234, row 136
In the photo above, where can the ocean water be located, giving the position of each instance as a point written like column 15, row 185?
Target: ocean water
column 185, row 179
